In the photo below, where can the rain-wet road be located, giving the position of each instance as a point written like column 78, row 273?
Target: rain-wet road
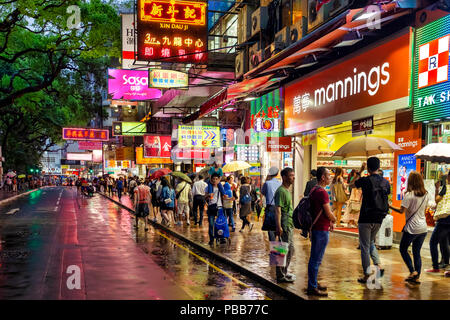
column 52, row 240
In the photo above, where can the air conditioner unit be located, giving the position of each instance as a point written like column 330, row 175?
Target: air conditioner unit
column 298, row 30
column 283, row 37
column 259, row 20
column 315, row 18
column 241, row 65
column 255, row 56
column 273, row 49
column 333, row 8
column 245, row 23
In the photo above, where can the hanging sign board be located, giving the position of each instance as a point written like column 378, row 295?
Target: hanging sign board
column 168, row 79
column 362, row 126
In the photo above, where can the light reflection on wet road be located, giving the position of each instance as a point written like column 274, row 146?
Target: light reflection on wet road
column 42, row 240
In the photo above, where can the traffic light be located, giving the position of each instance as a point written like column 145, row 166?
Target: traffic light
column 91, row 171
column 31, row 170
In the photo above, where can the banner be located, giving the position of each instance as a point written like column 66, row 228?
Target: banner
column 157, row 146
column 130, row 85
column 85, row 134
column 121, row 128
column 90, row 145
column 198, row 137
column 79, row 156
column 406, row 164
column 168, row 79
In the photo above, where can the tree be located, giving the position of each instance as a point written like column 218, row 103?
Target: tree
column 51, row 74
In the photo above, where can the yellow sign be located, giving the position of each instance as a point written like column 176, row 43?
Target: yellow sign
column 141, row 160
column 198, row 137
column 125, row 153
column 167, row 79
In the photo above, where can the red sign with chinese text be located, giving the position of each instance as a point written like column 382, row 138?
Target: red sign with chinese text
column 172, row 31
column 85, row 134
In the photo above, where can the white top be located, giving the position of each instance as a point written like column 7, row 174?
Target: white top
column 199, row 188
column 216, row 198
column 418, row 223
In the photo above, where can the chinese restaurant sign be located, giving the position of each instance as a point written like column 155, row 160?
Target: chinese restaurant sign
column 129, row 128
column 167, row 79
column 431, row 85
column 198, row 137
column 85, row 134
column 372, row 78
column 266, row 116
column 157, row 146
column 130, row 85
column 90, row 145
column 172, row 31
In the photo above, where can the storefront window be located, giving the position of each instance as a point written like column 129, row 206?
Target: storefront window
column 437, row 133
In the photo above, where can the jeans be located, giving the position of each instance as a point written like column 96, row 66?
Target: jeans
column 367, row 235
column 199, row 202
column 229, row 214
column 440, row 232
column 417, row 242
column 286, row 236
column 211, row 221
column 119, row 192
column 319, row 241
column 245, row 222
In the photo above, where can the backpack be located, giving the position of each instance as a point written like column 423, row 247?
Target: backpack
column 380, row 200
column 221, row 230
column 246, row 198
column 302, row 217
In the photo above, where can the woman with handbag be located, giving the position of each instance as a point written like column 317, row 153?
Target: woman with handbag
column 414, row 204
column 245, row 201
column 339, row 195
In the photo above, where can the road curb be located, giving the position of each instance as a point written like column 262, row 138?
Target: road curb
column 19, row 195
column 251, row 274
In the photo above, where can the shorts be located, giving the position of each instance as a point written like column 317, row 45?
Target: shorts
column 166, row 208
column 142, row 210
column 183, row 207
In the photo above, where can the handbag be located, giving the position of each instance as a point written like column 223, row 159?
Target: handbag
column 424, row 197
column 339, row 193
column 430, row 218
column 269, row 223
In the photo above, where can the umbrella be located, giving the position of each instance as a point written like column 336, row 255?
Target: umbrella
column 365, row 147
column 159, row 173
column 11, row 174
column 182, row 176
column 154, row 169
column 235, row 166
column 204, row 171
column 21, row 176
column 435, row 152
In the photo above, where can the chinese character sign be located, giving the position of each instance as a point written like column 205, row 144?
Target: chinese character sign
column 266, row 116
column 172, row 31
column 157, row 146
column 85, row 134
column 130, row 85
column 168, row 79
column 198, row 137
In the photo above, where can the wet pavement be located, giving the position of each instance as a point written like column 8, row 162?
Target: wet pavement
column 5, row 195
column 340, row 268
column 56, row 244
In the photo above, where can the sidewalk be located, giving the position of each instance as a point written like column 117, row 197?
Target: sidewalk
column 340, row 268
column 7, row 196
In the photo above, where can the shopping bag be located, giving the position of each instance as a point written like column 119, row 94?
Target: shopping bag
column 278, row 253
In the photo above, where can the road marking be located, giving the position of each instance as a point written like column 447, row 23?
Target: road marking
column 13, row 211
column 209, row 263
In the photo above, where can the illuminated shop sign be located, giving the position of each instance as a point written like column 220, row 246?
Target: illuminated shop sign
column 129, row 128
column 90, row 145
column 198, row 137
column 157, row 146
column 130, row 85
column 430, row 74
column 172, row 31
column 85, row 134
column 167, row 79
column 79, row 156
column 266, row 116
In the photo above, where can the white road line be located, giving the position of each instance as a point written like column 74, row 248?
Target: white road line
column 13, row 211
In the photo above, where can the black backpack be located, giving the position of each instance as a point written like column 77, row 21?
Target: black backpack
column 380, row 200
column 302, row 217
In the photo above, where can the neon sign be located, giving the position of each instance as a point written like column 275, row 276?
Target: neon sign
column 172, row 31
column 85, row 134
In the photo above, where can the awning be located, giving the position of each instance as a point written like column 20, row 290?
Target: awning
column 242, row 89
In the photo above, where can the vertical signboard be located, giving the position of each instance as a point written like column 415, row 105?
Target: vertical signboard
column 157, row 146
column 266, row 117
column 172, row 31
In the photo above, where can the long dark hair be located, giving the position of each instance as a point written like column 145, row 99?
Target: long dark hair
column 337, row 174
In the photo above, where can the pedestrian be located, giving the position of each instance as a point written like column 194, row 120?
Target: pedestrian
column 374, row 208
column 9, row 184
column 228, row 205
column 268, row 190
column 156, row 189
column 119, row 187
column 214, row 193
column 283, row 221
column 323, row 223
column 182, row 194
column 14, row 184
column 253, row 193
column 442, row 229
column 167, row 202
column 110, row 183
column 245, row 201
column 142, row 201
column 338, row 194
column 234, row 190
column 414, row 204
column 132, row 185
column 311, row 183
column 198, row 192
column 215, row 168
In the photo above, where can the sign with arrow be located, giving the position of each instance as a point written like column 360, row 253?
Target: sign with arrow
column 198, row 137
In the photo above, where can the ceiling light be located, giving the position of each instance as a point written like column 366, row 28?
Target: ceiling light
column 250, row 98
column 308, row 61
column 350, row 39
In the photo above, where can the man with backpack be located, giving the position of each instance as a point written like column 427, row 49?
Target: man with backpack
column 323, row 223
column 213, row 193
column 119, row 187
column 283, row 222
column 182, row 194
column 374, row 208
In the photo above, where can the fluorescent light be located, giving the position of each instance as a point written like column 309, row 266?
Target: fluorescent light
column 308, row 61
column 349, row 39
column 250, row 98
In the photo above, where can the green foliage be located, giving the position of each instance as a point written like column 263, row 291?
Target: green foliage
column 51, row 76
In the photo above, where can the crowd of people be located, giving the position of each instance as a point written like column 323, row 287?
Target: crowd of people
column 14, row 184
column 177, row 202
